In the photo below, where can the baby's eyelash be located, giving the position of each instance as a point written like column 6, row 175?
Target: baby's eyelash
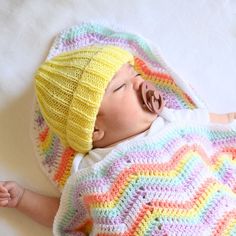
column 124, row 84
column 118, row 88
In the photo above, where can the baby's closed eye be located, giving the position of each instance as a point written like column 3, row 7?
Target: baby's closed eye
column 119, row 87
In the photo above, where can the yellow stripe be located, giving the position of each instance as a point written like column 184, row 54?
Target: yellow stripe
column 182, row 214
column 221, row 159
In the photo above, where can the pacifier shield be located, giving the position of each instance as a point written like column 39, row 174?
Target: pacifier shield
column 152, row 97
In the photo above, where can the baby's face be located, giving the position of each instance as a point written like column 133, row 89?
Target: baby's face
column 122, row 114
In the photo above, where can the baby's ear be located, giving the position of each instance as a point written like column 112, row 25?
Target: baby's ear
column 98, row 134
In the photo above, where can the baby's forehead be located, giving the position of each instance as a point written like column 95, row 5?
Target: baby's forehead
column 126, row 69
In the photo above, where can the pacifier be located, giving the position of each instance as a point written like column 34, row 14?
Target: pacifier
column 152, row 97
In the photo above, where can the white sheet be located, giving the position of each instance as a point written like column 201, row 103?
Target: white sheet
column 197, row 38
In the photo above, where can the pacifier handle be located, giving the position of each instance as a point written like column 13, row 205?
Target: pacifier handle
column 152, row 97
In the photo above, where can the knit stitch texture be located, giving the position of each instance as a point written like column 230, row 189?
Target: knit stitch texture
column 181, row 181
column 70, row 88
column 56, row 159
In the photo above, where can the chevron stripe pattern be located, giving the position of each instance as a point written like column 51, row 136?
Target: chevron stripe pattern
column 180, row 182
column 150, row 64
column 54, row 158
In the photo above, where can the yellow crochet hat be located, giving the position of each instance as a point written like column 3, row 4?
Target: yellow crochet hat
column 70, row 88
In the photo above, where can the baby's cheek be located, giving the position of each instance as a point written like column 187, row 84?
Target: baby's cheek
column 123, row 114
column 125, row 121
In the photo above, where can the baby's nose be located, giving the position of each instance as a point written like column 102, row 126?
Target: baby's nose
column 138, row 80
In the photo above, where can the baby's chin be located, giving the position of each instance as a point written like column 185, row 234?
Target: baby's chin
column 108, row 142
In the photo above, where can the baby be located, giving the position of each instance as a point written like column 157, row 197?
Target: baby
column 96, row 102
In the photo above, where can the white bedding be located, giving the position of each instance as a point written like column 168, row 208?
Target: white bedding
column 197, row 39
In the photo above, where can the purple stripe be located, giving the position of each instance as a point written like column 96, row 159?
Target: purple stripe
column 98, row 38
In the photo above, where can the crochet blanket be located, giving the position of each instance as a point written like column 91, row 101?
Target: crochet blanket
column 182, row 181
column 55, row 159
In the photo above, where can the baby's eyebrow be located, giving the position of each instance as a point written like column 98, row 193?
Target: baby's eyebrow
column 131, row 67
